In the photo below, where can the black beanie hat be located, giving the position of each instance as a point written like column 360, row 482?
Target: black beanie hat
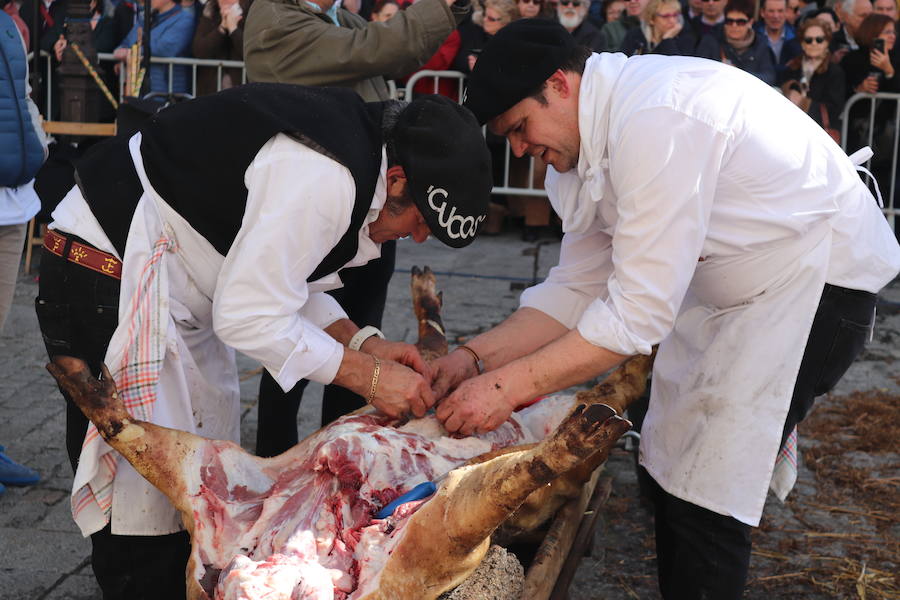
column 514, row 63
column 441, row 148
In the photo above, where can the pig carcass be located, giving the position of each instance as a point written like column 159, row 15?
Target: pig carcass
column 300, row 526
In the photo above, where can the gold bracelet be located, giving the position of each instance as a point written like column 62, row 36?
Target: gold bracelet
column 479, row 364
column 374, row 380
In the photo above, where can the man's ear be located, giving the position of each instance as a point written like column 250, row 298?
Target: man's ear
column 394, row 174
column 559, row 83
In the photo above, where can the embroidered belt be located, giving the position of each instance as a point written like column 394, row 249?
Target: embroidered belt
column 83, row 255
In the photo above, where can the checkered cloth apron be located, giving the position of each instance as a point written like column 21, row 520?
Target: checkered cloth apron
column 785, row 474
column 136, row 377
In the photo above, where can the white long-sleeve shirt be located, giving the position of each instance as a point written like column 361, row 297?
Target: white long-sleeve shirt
column 694, row 163
column 299, row 204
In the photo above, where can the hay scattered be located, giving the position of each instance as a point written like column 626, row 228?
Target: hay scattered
column 849, row 547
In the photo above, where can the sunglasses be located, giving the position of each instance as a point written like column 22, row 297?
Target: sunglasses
column 535, row 2
column 741, row 22
column 809, row 40
column 575, row 3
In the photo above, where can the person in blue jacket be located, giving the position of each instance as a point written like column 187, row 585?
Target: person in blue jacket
column 23, row 148
column 171, row 34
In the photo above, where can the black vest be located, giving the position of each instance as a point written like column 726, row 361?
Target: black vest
column 196, row 153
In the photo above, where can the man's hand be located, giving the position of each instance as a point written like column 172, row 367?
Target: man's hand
column 401, row 352
column 401, row 390
column 478, row 405
column 451, row 370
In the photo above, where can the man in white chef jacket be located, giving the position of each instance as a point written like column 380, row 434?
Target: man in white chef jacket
column 702, row 212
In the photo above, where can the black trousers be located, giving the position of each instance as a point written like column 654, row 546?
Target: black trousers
column 702, row 554
column 363, row 298
column 77, row 310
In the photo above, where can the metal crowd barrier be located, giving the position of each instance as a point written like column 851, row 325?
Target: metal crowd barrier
column 876, row 102
column 891, row 209
column 108, row 61
column 193, row 63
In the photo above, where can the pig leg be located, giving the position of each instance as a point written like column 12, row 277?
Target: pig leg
column 623, row 386
column 158, row 453
column 427, row 303
column 449, row 535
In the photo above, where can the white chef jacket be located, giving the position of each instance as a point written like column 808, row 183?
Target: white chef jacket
column 706, row 212
column 256, row 300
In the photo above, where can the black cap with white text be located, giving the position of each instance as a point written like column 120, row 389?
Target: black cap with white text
column 441, row 148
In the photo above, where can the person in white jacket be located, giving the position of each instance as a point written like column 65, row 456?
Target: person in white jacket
column 702, row 212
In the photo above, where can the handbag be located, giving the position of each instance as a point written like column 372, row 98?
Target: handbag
column 826, row 125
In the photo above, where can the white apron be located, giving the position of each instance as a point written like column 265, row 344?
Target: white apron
column 724, row 378
column 197, row 388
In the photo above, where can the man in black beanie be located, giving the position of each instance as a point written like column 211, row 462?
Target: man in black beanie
column 704, row 213
column 219, row 239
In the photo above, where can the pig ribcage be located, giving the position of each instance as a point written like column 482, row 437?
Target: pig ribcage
column 301, row 525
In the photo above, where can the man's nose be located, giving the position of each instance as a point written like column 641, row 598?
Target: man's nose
column 518, row 146
column 421, row 233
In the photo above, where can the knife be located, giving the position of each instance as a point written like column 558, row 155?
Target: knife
column 423, row 490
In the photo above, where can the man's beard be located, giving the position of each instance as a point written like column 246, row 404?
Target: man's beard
column 571, row 22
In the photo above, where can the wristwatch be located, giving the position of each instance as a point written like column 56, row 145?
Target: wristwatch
column 362, row 335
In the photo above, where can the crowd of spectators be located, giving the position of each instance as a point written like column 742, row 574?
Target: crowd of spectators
column 763, row 38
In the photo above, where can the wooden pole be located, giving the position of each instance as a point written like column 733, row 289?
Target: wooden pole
column 541, row 577
column 90, row 69
column 583, row 538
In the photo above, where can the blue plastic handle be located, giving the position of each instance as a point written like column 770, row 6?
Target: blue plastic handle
column 423, row 490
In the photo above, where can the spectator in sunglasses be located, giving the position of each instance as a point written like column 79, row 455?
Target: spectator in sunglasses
column 571, row 14
column 613, row 34
column 712, row 14
column 811, row 80
column 495, row 15
column 735, row 43
column 529, row 9
column 661, row 32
